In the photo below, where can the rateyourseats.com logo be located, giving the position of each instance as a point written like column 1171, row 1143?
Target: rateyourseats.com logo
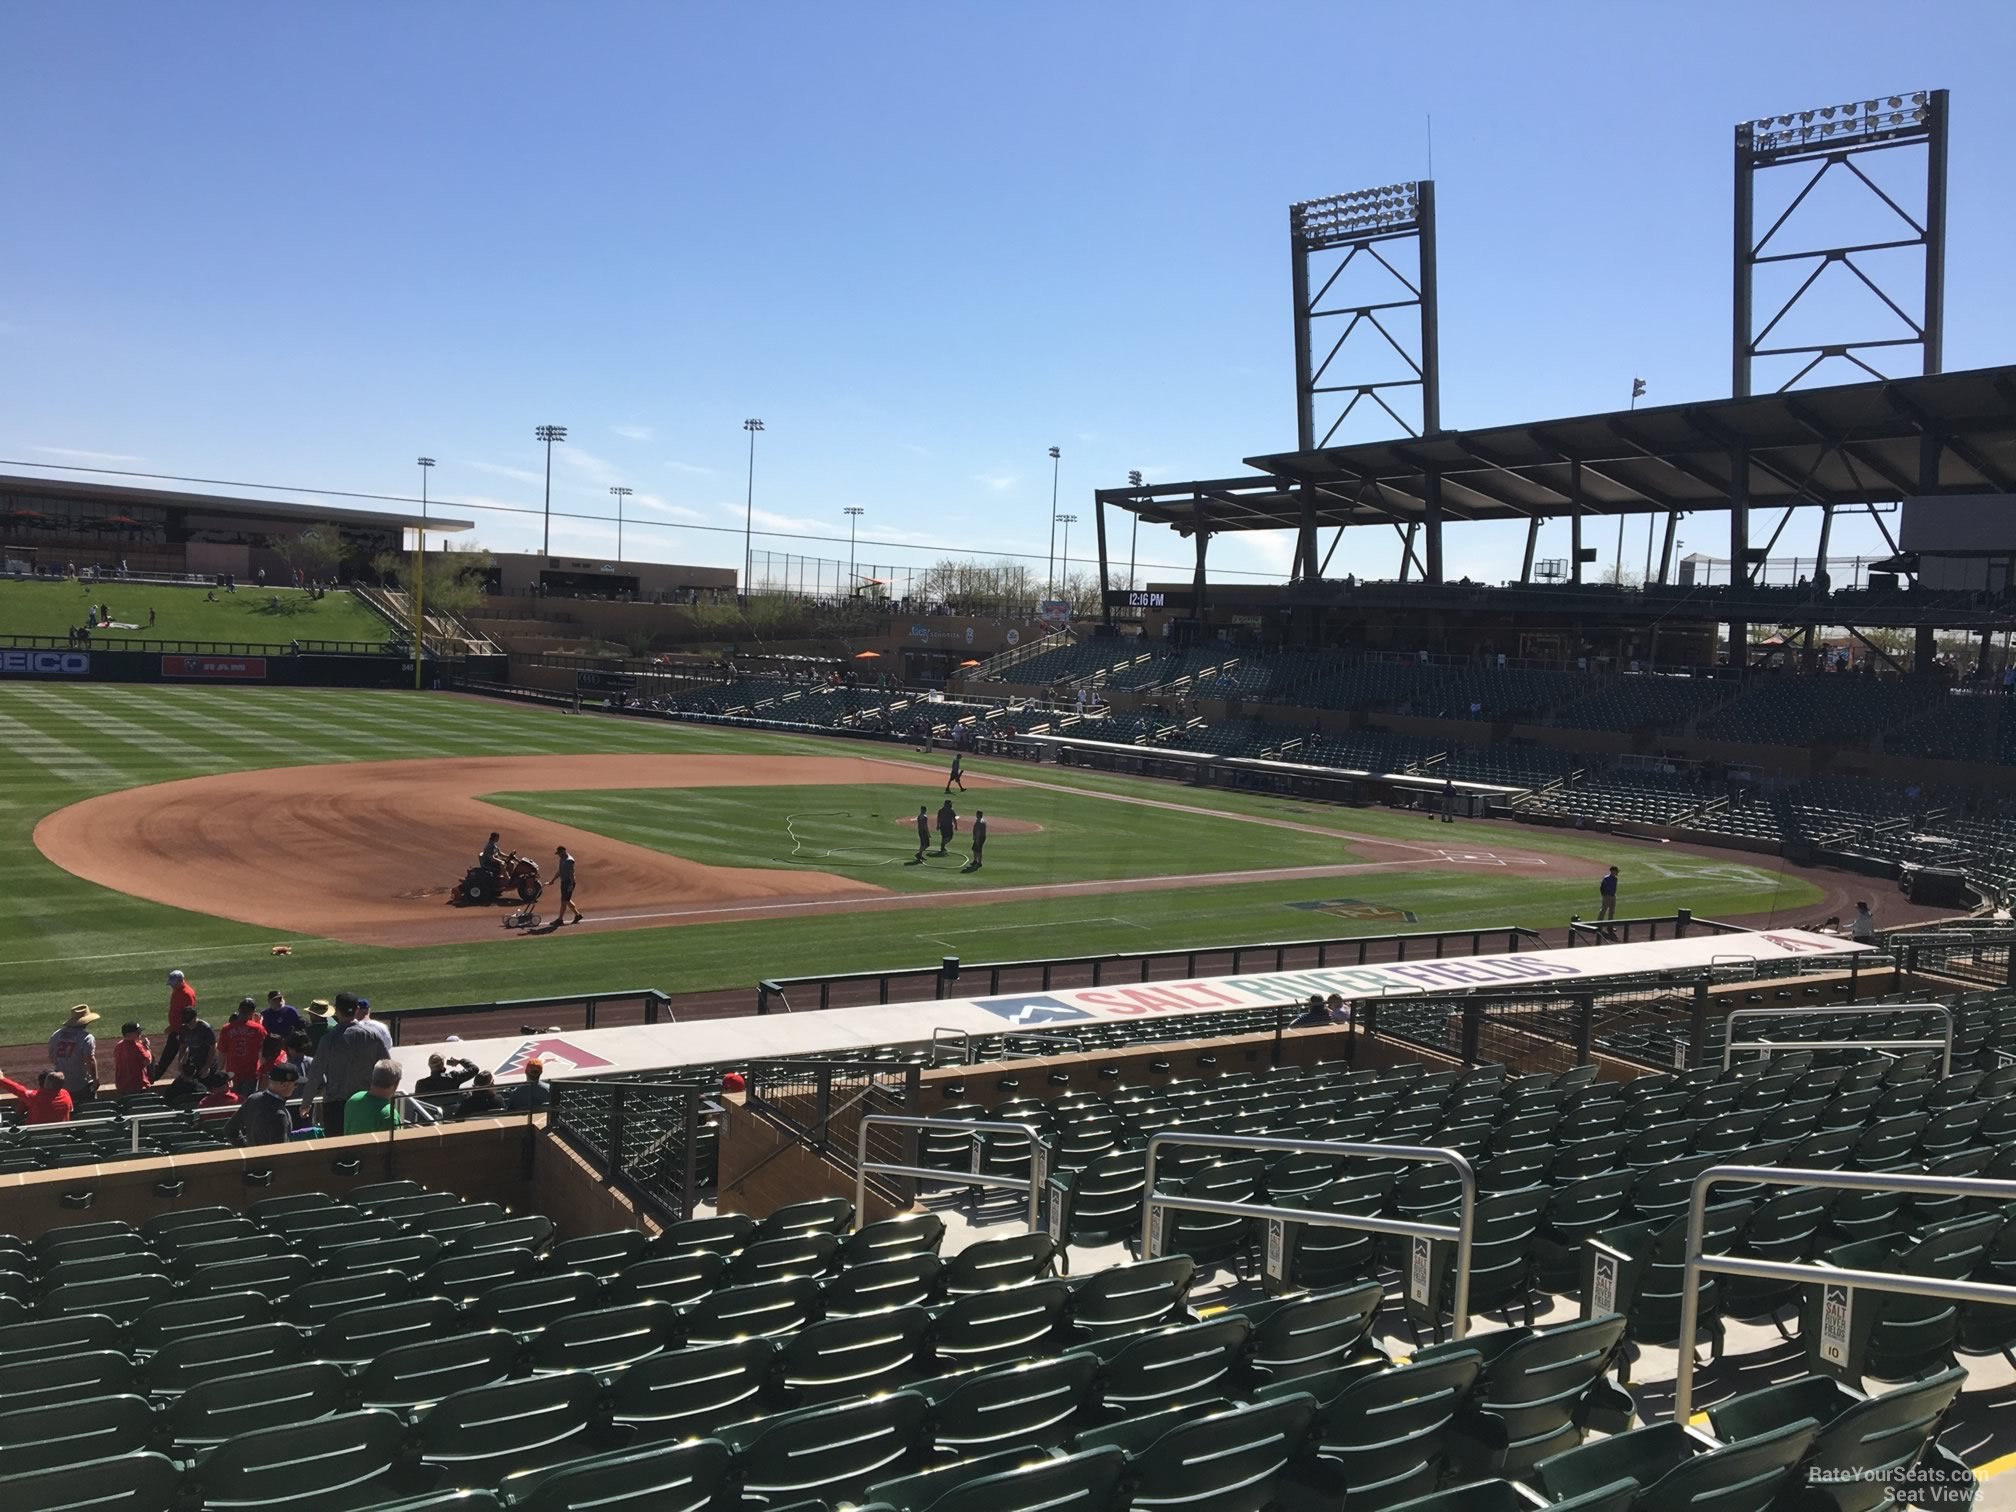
column 1911, row 1485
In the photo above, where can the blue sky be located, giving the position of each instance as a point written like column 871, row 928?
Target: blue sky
column 924, row 242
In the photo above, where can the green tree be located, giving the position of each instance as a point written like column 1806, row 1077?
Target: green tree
column 315, row 553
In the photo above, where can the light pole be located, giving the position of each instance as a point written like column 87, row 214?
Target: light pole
column 420, row 577
column 1055, row 454
column 1133, row 540
column 854, row 513
column 749, row 510
column 621, row 494
column 1067, row 521
column 549, row 434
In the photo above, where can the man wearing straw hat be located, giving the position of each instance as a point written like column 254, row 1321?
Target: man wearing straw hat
column 74, row 1052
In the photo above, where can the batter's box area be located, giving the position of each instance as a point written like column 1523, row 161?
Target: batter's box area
column 1488, row 858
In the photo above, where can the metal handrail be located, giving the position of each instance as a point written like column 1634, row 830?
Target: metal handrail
column 939, row 1033
column 1462, row 1232
column 1730, row 1046
column 1787, row 1270
column 1039, row 1162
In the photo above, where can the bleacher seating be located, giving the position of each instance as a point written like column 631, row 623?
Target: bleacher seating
column 1643, row 701
column 1634, row 795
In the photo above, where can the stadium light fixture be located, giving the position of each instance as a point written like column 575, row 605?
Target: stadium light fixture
column 621, row 494
column 1886, row 119
column 749, row 509
column 1340, row 217
column 549, row 434
column 1055, row 464
column 853, row 512
column 420, row 575
column 1134, row 538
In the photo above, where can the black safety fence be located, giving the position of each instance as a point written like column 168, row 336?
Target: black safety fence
column 658, row 1141
column 617, row 1008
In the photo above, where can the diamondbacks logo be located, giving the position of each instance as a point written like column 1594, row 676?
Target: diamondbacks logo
column 1039, row 1008
column 1357, row 910
column 558, row 1055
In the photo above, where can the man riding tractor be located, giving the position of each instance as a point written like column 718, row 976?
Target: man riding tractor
column 497, row 874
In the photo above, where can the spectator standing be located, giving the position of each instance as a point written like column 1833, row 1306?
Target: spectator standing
column 344, row 1061
column 280, row 1016
column 48, row 1101
column 321, row 1019
column 132, row 1061
column 441, row 1078
column 239, row 1042
column 74, row 1052
column 1862, row 928
column 532, row 1092
column 181, row 1007
column 375, row 1109
column 1607, row 890
column 265, row 1117
column 199, row 1049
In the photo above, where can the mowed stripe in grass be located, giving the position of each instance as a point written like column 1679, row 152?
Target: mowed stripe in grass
column 868, row 831
column 63, row 940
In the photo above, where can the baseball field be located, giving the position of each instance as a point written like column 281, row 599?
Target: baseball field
column 200, row 827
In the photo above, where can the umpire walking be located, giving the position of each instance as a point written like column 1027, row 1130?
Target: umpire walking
column 923, row 829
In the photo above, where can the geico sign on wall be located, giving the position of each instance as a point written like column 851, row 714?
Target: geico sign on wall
column 45, row 663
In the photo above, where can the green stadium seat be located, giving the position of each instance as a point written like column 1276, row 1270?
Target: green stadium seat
column 352, row 1460
column 1032, row 1404
column 465, row 1278
column 997, row 1327
column 144, row 1482
column 477, row 1436
column 1385, row 1434
column 1170, row 1367
column 685, row 1392
column 989, row 1263
column 1865, row 1446
column 602, row 1255
column 1010, row 1482
column 351, row 1338
column 899, row 1281
column 827, row 1453
column 760, row 1310
column 1537, row 1392
column 851, row 1356
column 28, row 1381
column 893, row 1238
column 121, row 1298
column 211, row 1411
column 678, row 1280
column 67, row 1433
column 331, row 1296
column 409, row 1254
column 797, row 1254
column 1128, row 1298
column 375, row 1195
column 606, row 1338
column 524, row 1307
column 273, row 1276
column 1305, row 1335
column 1679, row 1470
column 419, row 1373
column 528, row 1231
column 195, row 1358
column 1893, row 1336
column 1510, row 1496
column 688, row 1477
column 1230, row 1461
column 818, row 1215
column 723, row 1234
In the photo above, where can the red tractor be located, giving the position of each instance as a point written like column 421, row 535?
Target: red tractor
column 510, row 875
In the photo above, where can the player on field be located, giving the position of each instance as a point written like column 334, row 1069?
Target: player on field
column 958, row 771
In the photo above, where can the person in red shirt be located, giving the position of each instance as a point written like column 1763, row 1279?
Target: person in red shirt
column 132, row 1061
column 181, row 1008
column 272, row 1053
column 46, row 1101
column 239, row 1043
column 220, row 1094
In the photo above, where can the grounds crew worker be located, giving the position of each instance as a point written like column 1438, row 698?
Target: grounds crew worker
column 948, row 826
column 978, row 838
column 923, row 829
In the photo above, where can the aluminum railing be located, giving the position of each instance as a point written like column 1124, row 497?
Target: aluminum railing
column 1039, row 1159
column 1906, row 1182
column 941, row 1035
column 1422, row 1234
column 1945, row 1045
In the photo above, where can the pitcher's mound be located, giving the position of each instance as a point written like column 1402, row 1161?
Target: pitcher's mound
column 994, row 826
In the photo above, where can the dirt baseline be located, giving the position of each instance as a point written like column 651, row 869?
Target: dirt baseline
column 369, row 852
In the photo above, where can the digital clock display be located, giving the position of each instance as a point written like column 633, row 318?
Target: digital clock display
column 1147, row 600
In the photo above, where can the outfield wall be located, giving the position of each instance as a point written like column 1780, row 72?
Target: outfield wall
column 846, row 1032
column 277, row 666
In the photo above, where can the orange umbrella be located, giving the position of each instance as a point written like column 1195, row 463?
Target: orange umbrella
column 866, row 655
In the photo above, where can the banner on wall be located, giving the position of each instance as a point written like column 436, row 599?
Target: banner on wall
column 45, row 663
column 229, row 668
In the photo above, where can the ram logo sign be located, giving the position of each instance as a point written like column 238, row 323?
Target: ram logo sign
column 45, row 663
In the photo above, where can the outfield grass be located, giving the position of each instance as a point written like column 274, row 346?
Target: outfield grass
column 187, row 614
column 869, row 832
column 63, row 940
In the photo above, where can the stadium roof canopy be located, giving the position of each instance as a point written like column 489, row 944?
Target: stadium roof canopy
column 1852, row 444
column 116, row 494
